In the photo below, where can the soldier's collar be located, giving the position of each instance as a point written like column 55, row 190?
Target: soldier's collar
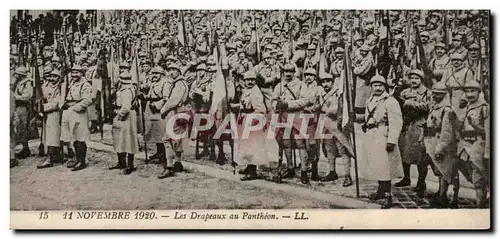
column 445, row 102
column 421, row 89
column 293, row 82
column 480, row 101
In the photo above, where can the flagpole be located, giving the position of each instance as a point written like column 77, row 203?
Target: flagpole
column 351, row 123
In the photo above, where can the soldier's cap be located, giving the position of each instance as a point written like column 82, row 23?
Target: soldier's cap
column 310, row 71
column 439, row 87
column 124, row 64
column 146, row 61
column 311, row 47
column 55, row 59
column 248, row 33
column 289, row 68
column 474, row 46
column 416, row 72
column 436, row 14
column 424, row 34
column 442, row 45
column 364, row 48
column 472, row 84
column 378, row 79
column 326, row 76
column 157, row 70
column 305, row 25
column 170, row 58
column 201, row 67
column 77, row 68
column 212, row 68
column 173, row 66
column 457, row 56
column 142, row 53
column 266, row 55
column 55, row 72
column 268, row 36
column 457, row 37
column 125, row 76
column 249, row 75
column 277, row 28
column 47, row 69
column 339, row 50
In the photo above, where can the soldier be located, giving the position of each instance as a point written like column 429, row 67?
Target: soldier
column 96, row 83
column 337, row 63
column 455, row 78
column 474, row 144
column 249, row 150
column 125, row 125
column 440, row 63
column 74, row 125
column 416, row 101
column 290, row 98
column 329, row 103
column 23, row 92
column 268, row 73
column 440, row 143
column 458, row 45
column 311, row 61
column 473, row 61
column 176, row 102
column 364, row 69
column 14, row 123
column 155, row 98
column 383, row 124
column 52, row 128
column 427, row 45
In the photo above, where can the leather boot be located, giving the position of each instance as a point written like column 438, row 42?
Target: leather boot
column 41, row 150
column 289, row 173
column 331, row 176
column 347, row 181
column 252, row 173
column 48, row 162
column 81, row 153
column 243, row 171
column 158, row 153
column 178, row 167
column 168, row 172
column 58, row 159
column 420, row 189
column 130, row 165
column 387, row 201
column 25, row 152
column 406, row 179
column 314, row 172
column 379, row 194
column 304, row 179
column 121, row 162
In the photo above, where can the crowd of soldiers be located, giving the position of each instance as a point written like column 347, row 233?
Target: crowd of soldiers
column 416, row 83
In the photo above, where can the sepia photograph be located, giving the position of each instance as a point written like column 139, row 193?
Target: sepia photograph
column 262, row 116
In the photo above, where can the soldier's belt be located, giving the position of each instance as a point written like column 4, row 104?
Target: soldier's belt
column 373, row 126
column 359, row 110
column 472, row 135
column 21, row 103
column 431, row 132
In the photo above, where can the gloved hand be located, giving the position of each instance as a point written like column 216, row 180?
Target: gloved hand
column 153, row 108
column 390, row 147
column 281, row 106
column 463, row 104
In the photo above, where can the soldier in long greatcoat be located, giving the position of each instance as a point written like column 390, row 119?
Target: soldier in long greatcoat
column 23, row 91
column 474, row 144
column 125, row 125
column 382, row 127
column 416, row 102
column 52, row 127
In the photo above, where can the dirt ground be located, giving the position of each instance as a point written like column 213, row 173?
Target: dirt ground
column 97, row 187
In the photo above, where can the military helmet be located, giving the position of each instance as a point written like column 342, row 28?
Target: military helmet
column 289, row 67
column 472, row 84
column 201, row 67
column 55, row 59
column 157, row 70
column 424, row 34
column 439, row 87
column 55, row 72
column 325, row 76
column 125, row 77
column 417, row 72
column 249, row 75
column 77, row 68
column 212, row 68
column 474, row 46
column 310, row 71
column 378, row 79
column 457, row 56
column 339, row 50
column 124, row 64
column 364, row 48
column 442, row 45
column 171, row 58
column 173, row 66
column 311, row 47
